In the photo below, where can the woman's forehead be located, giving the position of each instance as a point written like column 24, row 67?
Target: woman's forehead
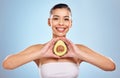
column 61, row 12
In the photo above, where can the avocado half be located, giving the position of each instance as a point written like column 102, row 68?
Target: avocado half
column 60, row 48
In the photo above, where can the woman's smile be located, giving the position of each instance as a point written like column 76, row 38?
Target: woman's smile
column 60, row 29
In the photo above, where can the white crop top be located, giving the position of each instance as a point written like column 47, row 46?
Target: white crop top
column 59, row 70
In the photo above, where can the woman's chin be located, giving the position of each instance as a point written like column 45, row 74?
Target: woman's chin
column 61, row 35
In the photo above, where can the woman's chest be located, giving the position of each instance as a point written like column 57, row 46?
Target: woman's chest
column 49, row 60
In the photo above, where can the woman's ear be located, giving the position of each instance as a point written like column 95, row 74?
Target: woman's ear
column 71, row 24
column 49, row 22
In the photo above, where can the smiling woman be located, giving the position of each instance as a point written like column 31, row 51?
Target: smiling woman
column 55, row 66
column 60, row 20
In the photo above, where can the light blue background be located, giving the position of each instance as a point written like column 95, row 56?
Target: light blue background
column 96, row 24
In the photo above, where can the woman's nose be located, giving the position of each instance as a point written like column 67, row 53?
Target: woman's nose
column 61, row 22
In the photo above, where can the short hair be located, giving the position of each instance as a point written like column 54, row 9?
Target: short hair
column 60, row 5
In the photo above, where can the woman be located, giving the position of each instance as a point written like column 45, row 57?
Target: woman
column 52, row 65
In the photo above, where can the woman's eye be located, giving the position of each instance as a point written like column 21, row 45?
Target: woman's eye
column 55, row 18
column 66, row 19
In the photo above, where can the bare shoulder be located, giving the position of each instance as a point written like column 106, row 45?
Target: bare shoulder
column 81, row 46
column 84, row 48
column 32, row 48
column 35, row 47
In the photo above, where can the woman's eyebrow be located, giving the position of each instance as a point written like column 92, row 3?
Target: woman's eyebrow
column 67, row 16
column 59, row 16
column 56, row 16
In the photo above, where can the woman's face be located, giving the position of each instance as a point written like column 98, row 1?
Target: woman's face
column 60, row 21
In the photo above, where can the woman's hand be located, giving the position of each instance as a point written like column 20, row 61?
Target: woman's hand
column 72, row 48
column 47, row 49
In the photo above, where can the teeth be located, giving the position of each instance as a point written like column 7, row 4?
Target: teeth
column 60, row 29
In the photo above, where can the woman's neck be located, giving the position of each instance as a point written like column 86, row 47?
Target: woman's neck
column 55, row 36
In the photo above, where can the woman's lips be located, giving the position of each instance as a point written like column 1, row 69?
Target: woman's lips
column 60, row 29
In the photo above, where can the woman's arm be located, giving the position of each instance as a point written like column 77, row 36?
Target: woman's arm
column 15, row 60
column 32, row 53
column 88, row 55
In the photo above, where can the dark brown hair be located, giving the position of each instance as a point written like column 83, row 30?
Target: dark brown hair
column 60, row 5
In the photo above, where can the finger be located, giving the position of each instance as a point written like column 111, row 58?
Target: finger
column 48, row 45
column 54, row 40
column 67, row 41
